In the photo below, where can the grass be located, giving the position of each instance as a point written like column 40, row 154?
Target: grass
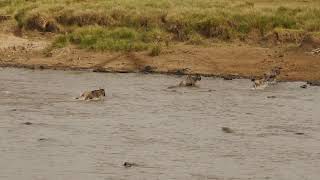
column 113, row 39
column 122, row 25
column 156, row 50
column 99, row 38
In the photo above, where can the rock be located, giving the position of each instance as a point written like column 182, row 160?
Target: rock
column 314, row 83
column 304, row 86
column 99, row 69
column 299, row 133
column 27, row 123
column 227, row 130
column 179, row 72
column 228, row 77
column 129, row 164
column 148, row 69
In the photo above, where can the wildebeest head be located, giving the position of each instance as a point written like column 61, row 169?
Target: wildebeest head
column 102, row 92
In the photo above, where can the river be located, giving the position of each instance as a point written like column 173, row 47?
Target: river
column 168, row 133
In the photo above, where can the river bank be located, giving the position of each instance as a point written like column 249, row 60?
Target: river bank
column 214, row 38
column 228, row 60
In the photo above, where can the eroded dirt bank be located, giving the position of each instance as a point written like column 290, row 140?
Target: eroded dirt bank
column 235, row 60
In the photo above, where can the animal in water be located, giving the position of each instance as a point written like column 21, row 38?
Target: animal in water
column 305, row 86
column 191, row 80
column 271, row 97
column 258, row 83
column 268, row 78
column 227, row 130
column 272, row 75
column 129, row 164
column 94, row 94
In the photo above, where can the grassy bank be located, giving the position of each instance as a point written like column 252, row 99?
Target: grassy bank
column 147, row 24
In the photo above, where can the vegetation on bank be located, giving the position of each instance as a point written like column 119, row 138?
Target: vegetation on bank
column 127, row 25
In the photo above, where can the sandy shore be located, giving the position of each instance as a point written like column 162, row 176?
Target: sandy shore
column 224, row 60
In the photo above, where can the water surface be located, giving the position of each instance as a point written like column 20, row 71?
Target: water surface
column 169, row 133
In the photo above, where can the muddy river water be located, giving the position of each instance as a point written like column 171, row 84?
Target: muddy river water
column 168, row 133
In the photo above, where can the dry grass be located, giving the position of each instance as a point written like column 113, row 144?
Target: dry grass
column 152, row 21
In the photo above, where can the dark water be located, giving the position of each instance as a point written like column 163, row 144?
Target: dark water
column 169, row 133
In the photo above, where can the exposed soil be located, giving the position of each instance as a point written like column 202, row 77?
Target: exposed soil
column 226, row 60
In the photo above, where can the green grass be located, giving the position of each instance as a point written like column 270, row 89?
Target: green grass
column 156, row 50
column 99, row 38
column 60, row 42
column 136, row 24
